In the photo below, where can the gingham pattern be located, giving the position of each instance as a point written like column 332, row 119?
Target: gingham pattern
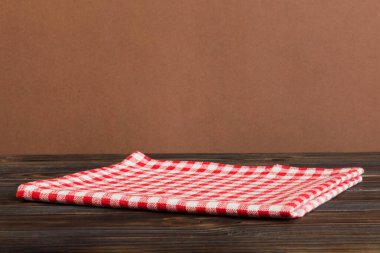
column 140, row 182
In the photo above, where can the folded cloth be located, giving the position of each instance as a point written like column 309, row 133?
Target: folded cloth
column 140, row 182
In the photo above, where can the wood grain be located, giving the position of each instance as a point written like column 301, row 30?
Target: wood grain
column 348, row 223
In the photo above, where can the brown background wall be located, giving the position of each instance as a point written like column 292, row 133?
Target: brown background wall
column 189, row 76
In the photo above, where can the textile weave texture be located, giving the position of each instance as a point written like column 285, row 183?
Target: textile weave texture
column 140, row 182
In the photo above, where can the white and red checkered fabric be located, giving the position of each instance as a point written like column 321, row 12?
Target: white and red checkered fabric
column 140, row 182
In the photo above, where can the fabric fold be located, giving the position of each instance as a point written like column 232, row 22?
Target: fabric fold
column 140, row 182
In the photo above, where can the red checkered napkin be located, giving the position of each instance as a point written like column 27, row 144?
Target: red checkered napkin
column 140, row 182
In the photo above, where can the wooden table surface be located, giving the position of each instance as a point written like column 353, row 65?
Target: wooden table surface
column 348, row 223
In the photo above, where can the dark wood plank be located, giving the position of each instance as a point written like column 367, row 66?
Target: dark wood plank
column 348, row 223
